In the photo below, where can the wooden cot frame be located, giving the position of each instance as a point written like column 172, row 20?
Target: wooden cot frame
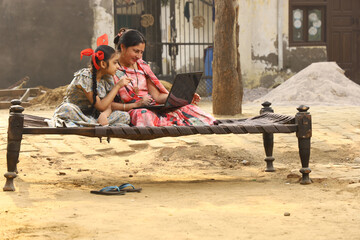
column 267, row 123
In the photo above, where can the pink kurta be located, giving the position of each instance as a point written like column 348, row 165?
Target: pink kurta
column 184, row 116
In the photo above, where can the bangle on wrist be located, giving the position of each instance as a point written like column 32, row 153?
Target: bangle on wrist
column 124, row 106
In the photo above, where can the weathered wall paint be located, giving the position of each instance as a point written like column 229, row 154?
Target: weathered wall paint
column 259, row 48
column 103, row 20
column 42, row 39
column 257, row 20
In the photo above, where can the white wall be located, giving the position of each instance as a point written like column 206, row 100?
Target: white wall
column 258, row 20
column 258, row 36
column 103, row 20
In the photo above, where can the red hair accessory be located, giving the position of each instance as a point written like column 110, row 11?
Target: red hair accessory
column 102, row 40
column 93, row 54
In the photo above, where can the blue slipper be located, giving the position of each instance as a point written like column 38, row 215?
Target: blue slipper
column 117, row 190
column 123, row 187
column 113, row 190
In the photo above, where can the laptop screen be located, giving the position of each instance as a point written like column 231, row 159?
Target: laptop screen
column 183, row 89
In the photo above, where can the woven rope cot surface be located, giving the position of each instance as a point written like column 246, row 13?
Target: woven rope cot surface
column 264, row 123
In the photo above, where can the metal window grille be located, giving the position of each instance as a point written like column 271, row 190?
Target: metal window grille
column 179, row 35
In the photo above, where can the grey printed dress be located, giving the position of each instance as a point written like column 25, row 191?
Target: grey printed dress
column 76, row 110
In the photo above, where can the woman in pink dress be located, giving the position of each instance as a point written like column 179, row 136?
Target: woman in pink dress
column 145, row 89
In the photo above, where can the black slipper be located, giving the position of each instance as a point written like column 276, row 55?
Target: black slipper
column 108, row 193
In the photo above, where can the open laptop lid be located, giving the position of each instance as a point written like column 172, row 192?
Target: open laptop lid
column 181, row 93
column 183, row 89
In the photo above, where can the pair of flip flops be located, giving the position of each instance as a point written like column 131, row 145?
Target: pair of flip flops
column 117, row 190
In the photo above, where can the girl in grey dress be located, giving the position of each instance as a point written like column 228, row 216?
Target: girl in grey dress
column 89, row 96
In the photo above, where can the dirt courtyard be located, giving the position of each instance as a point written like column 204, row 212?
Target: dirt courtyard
column 194, row 187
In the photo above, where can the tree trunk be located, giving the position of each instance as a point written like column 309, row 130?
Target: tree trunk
column 227, row 85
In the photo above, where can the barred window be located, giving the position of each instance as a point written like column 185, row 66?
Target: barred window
column 307, row 25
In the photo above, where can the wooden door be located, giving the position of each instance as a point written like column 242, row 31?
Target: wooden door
column 357, row 42
column 344, row 36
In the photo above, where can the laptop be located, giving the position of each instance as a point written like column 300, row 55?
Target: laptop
column 181, row 93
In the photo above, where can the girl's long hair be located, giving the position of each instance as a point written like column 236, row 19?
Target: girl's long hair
column 108, row 53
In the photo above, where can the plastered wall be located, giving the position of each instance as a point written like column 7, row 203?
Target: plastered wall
column 258, row 20
column 42, row 39
column 103, row 20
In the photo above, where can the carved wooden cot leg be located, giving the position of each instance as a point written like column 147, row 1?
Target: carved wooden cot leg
column 304, row 133
column 15, row 128
column 268, row 141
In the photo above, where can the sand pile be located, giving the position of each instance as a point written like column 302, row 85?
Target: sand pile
column 50, row 97
column 254, row 93
column 320, row 83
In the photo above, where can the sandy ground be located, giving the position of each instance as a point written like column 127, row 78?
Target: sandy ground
column 194, row 187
